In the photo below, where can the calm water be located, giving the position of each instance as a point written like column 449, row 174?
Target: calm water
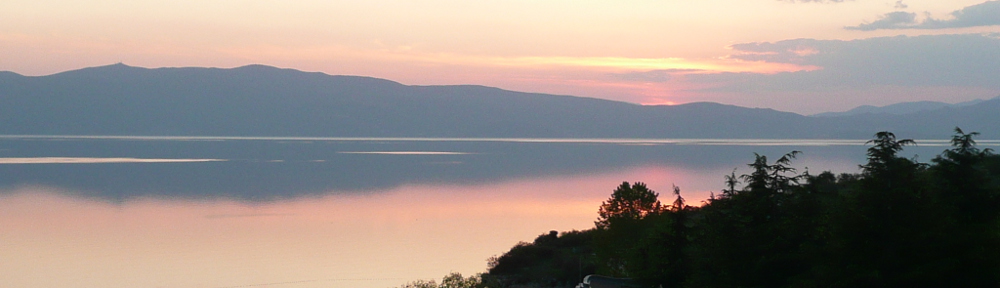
column 329, row 212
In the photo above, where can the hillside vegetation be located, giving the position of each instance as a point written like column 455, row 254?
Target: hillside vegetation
column 898, row 223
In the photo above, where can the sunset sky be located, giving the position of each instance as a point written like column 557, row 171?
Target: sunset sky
column 804, row 56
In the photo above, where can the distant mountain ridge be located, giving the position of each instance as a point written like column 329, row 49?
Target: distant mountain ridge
column 259, row 100
column 899, row 108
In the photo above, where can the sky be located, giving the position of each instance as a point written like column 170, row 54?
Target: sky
column 803, row 56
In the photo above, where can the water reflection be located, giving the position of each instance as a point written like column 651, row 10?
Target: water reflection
column 303, row 213
column 266, row 169
column 339, row 240
column 92, row 160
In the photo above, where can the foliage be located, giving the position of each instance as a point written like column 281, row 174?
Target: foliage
column 898, row 223
column 452, row 280
column 420, row 284
column 882, row 155
column 551, row 260
column 767, row 178
column 731, row 182
column 625, row 217
column 628, row 203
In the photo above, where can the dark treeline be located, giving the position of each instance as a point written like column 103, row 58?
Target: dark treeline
column 898, row 223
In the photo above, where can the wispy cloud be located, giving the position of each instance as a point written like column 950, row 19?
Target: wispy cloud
column 891, row 20
column 654, row 76
column 901, row 60
column 983, row 14
column 625, row 63
column 616, row 64
column 946, row 67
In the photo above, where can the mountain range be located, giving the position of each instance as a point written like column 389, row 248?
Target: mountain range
column 899, row 108
column 260, row 100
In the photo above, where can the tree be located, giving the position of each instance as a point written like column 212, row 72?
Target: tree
column 420, row 284
column 553, row 259
column 970, row 197
column 623, row 218
column 628, row 203
column 455, row 280
column 964, row 179
column 731, row 182
column 882, row 155
column 891, row 230
column 660, row 258
column 899, row 223
column 965, row 146
column 678, row 202
column 452, row 280
column 770, row 178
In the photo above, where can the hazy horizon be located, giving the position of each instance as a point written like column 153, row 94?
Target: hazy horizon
column 133, row 173
column 803, row 56
column 947, row 101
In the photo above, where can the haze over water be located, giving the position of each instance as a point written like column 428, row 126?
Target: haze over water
column 330, row 212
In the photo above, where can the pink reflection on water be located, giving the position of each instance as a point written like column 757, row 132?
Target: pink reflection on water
column 377, row 239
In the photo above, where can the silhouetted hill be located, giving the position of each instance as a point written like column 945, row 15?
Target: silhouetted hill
column 899, row 108
column 983, row 117
column 266, row 101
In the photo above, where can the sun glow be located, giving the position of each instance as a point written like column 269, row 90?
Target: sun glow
column 623, row 63
column 603, row 63
column 401, row 55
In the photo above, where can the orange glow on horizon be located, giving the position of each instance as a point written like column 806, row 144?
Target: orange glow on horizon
column 406, row 54
column 651, row 64
column 661, row 102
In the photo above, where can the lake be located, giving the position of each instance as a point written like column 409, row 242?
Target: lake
column 141, row 211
